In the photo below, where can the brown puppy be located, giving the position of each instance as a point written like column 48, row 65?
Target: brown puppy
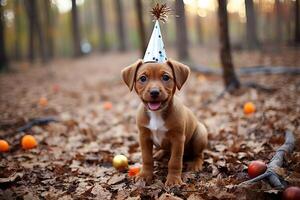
column 163, row 120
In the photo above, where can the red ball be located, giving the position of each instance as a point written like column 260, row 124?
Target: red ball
column 256, row 168
column 291, row 193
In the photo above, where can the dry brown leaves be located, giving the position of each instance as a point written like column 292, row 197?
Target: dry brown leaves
column 73, row 158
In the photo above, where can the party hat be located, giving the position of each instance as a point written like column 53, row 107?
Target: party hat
column 156, row 50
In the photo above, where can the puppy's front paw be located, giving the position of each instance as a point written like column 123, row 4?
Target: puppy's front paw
column 144, row 176
column 173, row 180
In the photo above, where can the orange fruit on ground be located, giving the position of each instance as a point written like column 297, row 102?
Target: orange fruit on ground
column 43, row 101
column 107, row 105
column 134, row 170
column 4, row 146
column 256, row 168
column 249, row 108
column 28, row 142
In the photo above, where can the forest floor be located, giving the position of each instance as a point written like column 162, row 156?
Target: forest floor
column 73, row 157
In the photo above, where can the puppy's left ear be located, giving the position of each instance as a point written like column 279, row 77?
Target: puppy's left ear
column 181, row 72
column 129, row 73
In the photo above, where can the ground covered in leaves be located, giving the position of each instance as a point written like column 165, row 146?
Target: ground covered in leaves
column 73, row 157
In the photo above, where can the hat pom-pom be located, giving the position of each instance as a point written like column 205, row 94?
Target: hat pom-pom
column 160, row 12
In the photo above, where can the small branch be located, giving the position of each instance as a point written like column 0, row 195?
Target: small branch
column 269, row 70
column 30, row 124
column 254, row 70
column 277, row 161
column 258, row 178
column 37, row 121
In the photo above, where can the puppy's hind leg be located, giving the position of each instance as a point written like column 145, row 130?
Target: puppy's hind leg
column 199, row 143
column 159, row 154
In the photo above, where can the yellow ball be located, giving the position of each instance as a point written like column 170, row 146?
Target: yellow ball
column 120, row 162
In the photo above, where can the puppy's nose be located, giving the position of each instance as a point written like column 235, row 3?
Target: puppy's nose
column 154, row 93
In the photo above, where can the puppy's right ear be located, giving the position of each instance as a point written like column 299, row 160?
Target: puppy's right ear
column 129, row 73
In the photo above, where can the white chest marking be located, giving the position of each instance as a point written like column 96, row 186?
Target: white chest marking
column 157, row 127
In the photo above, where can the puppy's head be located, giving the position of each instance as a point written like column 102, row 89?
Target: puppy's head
column 155, row 83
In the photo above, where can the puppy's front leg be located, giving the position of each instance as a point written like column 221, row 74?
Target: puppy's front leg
column 175, row 162
column 147, row 155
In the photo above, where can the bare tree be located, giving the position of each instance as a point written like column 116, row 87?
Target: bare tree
column 3, row 57
column 199, row 29
column 278, row 21
column 17, row 23
column 252, row 39
column 75, row 30
column 229, row 76
column 31, row 49
column 35, row 29
column 297, row 22
column 120, row 25
column 49, row 28
column 181, row 31
column 141, row 25
column 102, row 26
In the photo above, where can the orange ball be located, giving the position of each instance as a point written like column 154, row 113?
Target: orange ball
column 4, row 146
column 249, row 108
column 134, row 170
column 43, row 101
column 28, row 142
column 107, row 105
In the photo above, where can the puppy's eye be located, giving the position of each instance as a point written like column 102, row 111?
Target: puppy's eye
column 143, row 79
column 165, row 77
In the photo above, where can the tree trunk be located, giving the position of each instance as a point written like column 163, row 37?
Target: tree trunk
column 102, row 26
column 278, row 21
column 297, row 21
column 17, row 23
column 141, row 25
column 3, row 57
column 75, row 30
column 120, row 25
column 49, row 28
column 181, row 32
column 229, row 75
column 199, row 29
column 252, row 39
column 31, row 46
column 35, row 29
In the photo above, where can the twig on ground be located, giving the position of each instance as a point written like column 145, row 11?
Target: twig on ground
column 30, row 124
column 277, row 161
column 37, row 121
column 269, row 70
column 253, row 70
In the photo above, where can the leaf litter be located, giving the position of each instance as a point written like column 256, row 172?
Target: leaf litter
column 73, row 159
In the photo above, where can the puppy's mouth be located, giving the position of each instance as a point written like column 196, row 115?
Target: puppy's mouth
column 154, row 105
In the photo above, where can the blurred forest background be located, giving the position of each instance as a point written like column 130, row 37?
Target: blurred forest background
column 32, row 30
column 61, row 83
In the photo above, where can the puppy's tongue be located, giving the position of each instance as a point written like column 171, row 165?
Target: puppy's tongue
column 154, row 105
